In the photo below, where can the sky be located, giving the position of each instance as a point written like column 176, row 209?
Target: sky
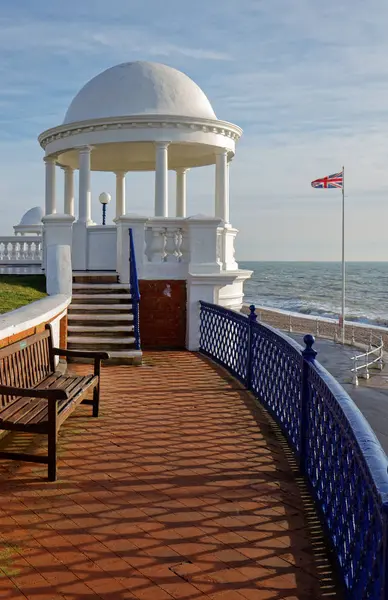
column 306, row 80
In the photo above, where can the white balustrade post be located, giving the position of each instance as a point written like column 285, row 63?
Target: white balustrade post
column 85, row 208
column 161, row 179
column 222, row 186
column 203, row 244
column 120, row 193
column 69, row 191
column 58, row 243
column 51, row 207
column 181, row 192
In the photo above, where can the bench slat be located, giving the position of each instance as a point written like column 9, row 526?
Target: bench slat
column 34, row 411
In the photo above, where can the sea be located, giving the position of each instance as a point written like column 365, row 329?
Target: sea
column 314, row 288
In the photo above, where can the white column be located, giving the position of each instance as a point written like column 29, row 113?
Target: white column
column 69, row 191
column 84, row 208
column 181, row 192
column 222, row 187
column 120, row 193
column 51, row 207
column 227, row 195
column 161, row 179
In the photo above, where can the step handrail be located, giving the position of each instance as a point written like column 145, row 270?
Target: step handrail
column 367, row 360
column 135, row 292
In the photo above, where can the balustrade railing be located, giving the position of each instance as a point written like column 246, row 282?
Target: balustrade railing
column 20, row 249
column 339, row 455
column 135, row 292
column 166, row 244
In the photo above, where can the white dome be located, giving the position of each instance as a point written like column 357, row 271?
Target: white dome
column 139, row 88
column 32, row 217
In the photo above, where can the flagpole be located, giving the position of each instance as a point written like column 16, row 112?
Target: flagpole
column 343, row 257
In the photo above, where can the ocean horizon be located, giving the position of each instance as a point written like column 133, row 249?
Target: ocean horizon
column 314, row 288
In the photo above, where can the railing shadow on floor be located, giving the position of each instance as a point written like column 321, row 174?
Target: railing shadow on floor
column 344, row 465
column 129, row 505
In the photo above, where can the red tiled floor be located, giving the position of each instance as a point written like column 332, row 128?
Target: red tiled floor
column 181, row 489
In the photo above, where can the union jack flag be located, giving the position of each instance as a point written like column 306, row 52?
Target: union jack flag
column 331, row 181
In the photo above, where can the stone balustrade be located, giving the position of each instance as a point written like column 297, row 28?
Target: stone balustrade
column 166, row 243
column 16, row 250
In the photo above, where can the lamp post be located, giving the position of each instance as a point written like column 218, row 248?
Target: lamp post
column 104, row 198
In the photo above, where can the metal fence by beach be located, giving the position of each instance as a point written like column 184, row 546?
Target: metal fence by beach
column 339, row 455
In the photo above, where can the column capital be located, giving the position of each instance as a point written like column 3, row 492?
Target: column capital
column 120, row 173
column 50, row 159
column 67, row 168
column 84, row 149
column 182, row 170
column 221, row 152
column 162, row 144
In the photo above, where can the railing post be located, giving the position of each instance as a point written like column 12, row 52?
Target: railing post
column 381, row 361
column 355, row 376
column 252, row 318
column 308, row 356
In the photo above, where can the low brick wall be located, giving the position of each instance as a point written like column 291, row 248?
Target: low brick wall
column 162, row 314
column 7, row 341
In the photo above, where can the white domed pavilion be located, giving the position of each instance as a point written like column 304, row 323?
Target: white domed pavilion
column 145, row 116
column 138, row 116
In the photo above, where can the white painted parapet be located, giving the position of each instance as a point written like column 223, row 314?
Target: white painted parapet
column 124, row 224
column 101, row 247
column 47, row 310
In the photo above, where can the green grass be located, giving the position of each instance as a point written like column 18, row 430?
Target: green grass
column 19, row 290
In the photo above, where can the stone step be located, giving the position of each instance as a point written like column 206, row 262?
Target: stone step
column 101, row 286
column 100, row 328
column 95, row 277
column 101, row 307
column 105, row 317
column 87, row 340
column 118, row 357
column 108, row 297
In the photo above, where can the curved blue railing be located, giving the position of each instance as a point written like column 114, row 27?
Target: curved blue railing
column 343, row 463
column 134, row 282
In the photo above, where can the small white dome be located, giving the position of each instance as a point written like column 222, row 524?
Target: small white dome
column 32, row 217
column 139, row 88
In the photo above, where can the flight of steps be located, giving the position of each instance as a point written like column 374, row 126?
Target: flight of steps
column 100, row 317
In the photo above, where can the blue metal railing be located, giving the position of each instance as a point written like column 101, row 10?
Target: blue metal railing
column 344, row 465
column 134, row 282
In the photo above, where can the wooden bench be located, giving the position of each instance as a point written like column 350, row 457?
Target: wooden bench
column 36, row 398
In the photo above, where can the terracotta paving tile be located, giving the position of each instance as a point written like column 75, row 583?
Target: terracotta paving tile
column 180, row 490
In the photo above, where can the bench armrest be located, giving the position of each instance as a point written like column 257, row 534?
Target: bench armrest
column 81, row 353
column 50, row 394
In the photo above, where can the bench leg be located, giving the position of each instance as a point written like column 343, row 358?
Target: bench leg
column 52, row 441
column 96, row 400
